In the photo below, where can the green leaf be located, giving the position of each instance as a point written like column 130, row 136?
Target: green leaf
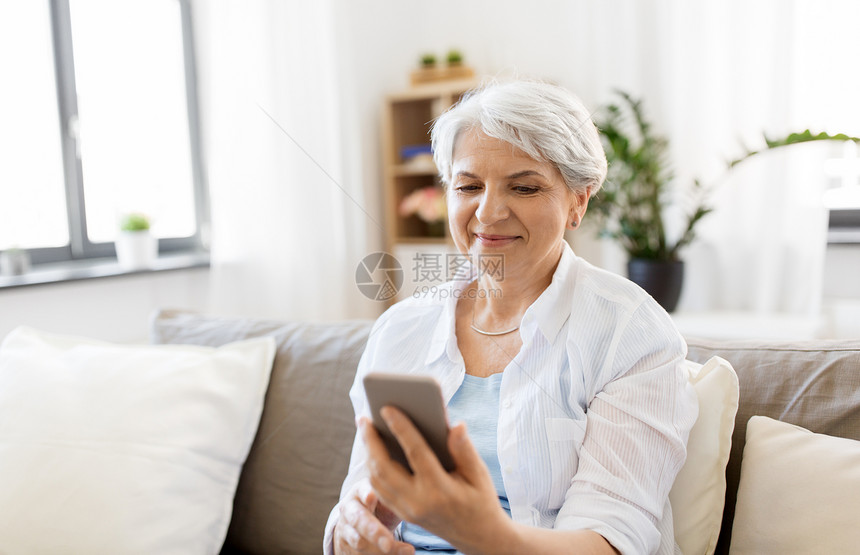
column 804, row 136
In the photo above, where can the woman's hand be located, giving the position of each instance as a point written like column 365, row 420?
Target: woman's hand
column 366, row 526
column 461, row 507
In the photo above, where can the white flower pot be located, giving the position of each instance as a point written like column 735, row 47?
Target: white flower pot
column 14, row 262
column 136, row 250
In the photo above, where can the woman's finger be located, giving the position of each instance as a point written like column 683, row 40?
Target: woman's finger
column 386, row 475
column 367, row 496
column 421, row 457
column 469, row 462
column 363, row 531
column 360, row 529
column 364, row 492
column 347, row 540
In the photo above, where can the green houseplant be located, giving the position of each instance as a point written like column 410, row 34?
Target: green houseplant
column 632, row 203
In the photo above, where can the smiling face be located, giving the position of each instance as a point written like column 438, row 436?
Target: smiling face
column 501, row 201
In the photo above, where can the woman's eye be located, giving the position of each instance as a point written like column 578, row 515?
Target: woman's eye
column 468, row 188
column 525, row 189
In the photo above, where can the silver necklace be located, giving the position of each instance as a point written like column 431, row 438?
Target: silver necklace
column 491, row 333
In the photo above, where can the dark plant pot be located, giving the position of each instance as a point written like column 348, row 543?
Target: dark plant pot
column 661, row 279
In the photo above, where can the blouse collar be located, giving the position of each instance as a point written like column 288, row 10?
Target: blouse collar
column 547, row 314
column 552, row 308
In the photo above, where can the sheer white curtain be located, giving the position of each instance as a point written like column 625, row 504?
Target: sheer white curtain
column 771, row 67
column 288, row 225
column 714, row 75
column 763, row 248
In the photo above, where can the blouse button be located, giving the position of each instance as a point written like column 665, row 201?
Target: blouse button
column 506, row 403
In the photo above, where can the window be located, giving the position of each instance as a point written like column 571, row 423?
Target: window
column 843, row 197
column 98, row 112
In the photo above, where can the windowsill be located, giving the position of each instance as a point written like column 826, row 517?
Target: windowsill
column 845, row 236
column 101, row 268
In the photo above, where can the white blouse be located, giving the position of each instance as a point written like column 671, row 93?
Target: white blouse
column 594, row 411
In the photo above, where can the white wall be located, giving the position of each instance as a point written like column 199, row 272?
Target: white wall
column 111, row 309
column 841, row 303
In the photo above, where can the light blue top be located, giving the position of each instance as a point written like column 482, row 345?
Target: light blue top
column 476, row 403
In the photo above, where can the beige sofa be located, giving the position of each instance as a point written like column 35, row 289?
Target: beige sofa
column 295, row 467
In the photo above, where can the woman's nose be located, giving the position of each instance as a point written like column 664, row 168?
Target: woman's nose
column 492, row 207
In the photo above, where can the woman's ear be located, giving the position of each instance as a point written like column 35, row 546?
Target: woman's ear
column 578, row 206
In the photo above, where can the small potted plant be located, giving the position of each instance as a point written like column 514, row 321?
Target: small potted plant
column 427, row 70
column 454, row 57
column 136, row 247
column 456, row 68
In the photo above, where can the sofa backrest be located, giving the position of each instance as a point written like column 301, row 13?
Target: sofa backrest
column 814, row 384
column 299, row 458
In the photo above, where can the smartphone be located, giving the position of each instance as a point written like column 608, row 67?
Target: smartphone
column 419, row 398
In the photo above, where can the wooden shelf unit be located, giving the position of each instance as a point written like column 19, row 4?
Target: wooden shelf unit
column 406, row 120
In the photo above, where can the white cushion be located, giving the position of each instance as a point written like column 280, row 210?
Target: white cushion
column 123, row 449
column 699, row 493
column 799, row 492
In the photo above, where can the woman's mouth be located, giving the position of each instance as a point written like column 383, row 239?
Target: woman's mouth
column 492, row 240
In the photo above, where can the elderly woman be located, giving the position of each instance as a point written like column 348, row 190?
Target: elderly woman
column 568, row 378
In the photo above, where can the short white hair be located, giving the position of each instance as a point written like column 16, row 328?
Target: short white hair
column 547, row 122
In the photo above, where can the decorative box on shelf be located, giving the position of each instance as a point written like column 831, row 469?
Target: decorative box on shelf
column 446, row 73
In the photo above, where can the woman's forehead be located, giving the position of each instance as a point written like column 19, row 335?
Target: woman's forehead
column 474, row 150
